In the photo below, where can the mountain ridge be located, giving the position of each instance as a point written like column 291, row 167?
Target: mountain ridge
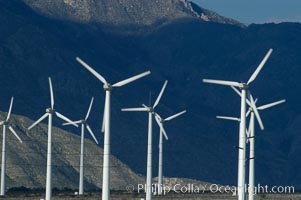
column 125, row 12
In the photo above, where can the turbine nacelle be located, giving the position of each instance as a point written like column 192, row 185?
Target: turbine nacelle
column 5, row 123
column 243, row 86
column 160, row 119
column 50, row 110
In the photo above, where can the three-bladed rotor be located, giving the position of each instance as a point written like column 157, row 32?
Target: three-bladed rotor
column 6, row 122
column 84, row 122
column 51, row 110
column 107, row 86
column 151, row 109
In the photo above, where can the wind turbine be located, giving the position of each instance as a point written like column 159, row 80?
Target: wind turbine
column 49, row 113
column 84, row 125
column 151, row 112
column 106, row 122
column 251, row 138
column 160, row 167
column 242, row 129
column 4, row 124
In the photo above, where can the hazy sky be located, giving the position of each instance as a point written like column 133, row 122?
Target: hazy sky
column 256, row 11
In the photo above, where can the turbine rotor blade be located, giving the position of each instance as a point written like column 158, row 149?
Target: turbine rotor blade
column 174, row 116
column 14, row 132
column 129, row 80
column 65, row 119
column 161, row 127
column 148, row 109
column 89, row 110
column 10, row 108
column 248, row 113
column 228, row 118
column 271, row 104
column 74, row 122
column 51, row 92
column 160, row 94
column 256, row 113
column 1, row 123
column 260, row 66
column 220, row 82
column 90, row 69
column 38, row 121
column 134, row 109
column 91, row 133
column 158, row 116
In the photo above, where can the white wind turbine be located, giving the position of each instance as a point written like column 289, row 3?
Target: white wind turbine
column 4, row 124
column 251, row 138
column 151, row 112
column 49, row 113
column 106, row 122
column 84, row 125
column 160, row 167
column 242, row 129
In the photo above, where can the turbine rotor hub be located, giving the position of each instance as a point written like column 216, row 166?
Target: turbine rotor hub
column 151, row 109
column 107, row 87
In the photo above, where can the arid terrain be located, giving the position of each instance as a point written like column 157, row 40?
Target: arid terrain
column 134, row 196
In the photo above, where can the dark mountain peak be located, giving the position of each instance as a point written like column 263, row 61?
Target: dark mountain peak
column 124, row 12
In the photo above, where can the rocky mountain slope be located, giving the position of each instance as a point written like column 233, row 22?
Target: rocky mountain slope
column 26, row 162
column 124, row 12
column 34, row 46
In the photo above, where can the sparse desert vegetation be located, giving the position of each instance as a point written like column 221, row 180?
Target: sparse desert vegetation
column 96, row 195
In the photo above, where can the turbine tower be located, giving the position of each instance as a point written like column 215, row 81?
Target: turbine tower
column 151, row 112
column 106, row 122
column 242, row 128
column 251, row 138
column 4, row 124
column 160, row 167
column 50, row 112
column 84, row 125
